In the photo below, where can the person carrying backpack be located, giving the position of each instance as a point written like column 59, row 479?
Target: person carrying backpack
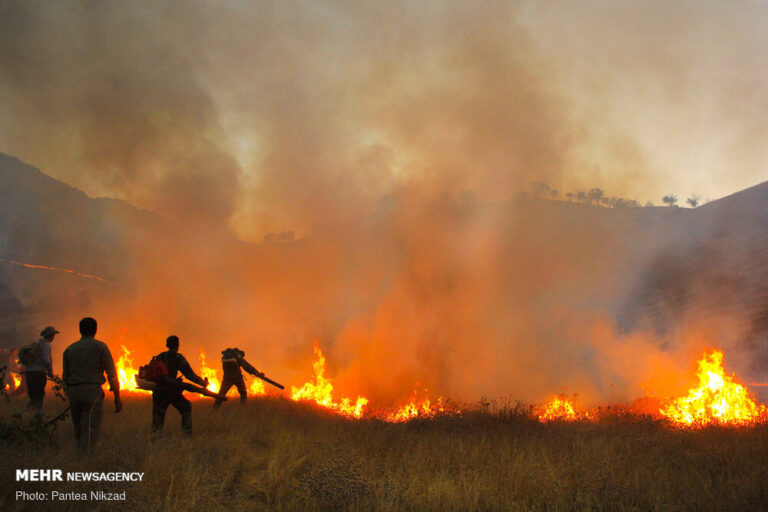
column 38, row 366
column 169, row 389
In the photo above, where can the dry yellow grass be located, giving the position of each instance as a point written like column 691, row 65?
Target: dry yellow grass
column 273, row 454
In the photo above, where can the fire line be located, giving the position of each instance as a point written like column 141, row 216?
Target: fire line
column 718, row 399
column 53, row 269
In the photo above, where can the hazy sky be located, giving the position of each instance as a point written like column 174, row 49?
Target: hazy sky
column 268, row 116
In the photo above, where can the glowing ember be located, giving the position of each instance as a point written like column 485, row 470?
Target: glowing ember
column 320, row 391
column 717, row 399
column 561, row 409
column 415, row 409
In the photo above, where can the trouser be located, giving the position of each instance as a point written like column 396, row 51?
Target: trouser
column 227, row 383
column 161, row 399
column 85, row 401
column 36, row 382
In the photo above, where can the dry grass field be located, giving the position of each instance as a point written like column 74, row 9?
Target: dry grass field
column 274, row 454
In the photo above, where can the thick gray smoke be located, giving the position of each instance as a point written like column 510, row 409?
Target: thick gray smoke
column 109, row 97
column 277, row 112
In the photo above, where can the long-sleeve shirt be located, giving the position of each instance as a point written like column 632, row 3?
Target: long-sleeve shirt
column 232, row 360
column 85, row 362
column 176, row 363
column 43, row 362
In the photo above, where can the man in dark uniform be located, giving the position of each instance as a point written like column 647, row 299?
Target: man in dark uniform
column 84, row 364
column 232, row 359
column 169, row 389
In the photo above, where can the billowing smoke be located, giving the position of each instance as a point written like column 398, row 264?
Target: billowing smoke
column 328, row 108
column 105, row 96
column 389, row 139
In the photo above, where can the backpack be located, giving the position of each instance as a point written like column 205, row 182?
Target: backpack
column 231, row 355
column 28, row 354
column 149, row 375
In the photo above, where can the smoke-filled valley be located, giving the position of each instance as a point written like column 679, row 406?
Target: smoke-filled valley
column 465, row 299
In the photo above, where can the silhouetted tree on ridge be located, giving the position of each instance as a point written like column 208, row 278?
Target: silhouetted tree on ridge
column 670, row 200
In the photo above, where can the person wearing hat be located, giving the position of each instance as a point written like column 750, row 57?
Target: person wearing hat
column 40, row 369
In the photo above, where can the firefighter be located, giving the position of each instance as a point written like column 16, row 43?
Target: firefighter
column 232, row 359
column 170, row 388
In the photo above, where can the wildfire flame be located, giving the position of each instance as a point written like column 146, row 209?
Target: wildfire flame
column 717, row 400
column 16, row 382
column 558, row 409
column 214, row 384
column 320, row 391
column 126, row 373
column 561, row 408
column 415, row 409
column 257, row 388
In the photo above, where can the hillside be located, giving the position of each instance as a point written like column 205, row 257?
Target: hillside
column 452, row 282
column 712, row 270
column 47, row 223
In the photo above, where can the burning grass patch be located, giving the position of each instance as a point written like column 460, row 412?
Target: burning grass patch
column 275, row 454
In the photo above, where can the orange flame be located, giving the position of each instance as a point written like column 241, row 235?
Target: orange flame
column 214, row 384
column 717, row 400
column 16, row 380
column 320, row 391
column 561, row 409
column 126, row 373
column 415, row 409
column 257, row 387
